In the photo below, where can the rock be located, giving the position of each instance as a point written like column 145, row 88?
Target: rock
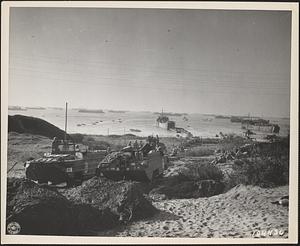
column 284, row 202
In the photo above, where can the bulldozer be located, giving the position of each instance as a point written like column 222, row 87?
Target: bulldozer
column 144, row 164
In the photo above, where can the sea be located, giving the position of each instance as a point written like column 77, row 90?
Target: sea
column 140, row 123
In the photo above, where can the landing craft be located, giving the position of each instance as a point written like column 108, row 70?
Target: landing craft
column 259, row 125
column 164, row 122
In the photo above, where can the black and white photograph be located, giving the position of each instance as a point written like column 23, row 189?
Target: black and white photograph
column 149, row 122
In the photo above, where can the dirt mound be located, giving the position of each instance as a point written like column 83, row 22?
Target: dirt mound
column 26, row 124
column 124, row 198
column 181, row 186
column 254, row 195
column 44, row 211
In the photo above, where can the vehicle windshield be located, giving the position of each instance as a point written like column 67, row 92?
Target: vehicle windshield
column 60, row 146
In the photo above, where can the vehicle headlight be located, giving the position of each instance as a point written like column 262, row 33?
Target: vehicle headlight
column 69, row 169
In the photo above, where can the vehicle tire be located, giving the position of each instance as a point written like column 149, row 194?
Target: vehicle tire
column 155, row 174
column 70, row 182
column 42, row 181
column 78, row 178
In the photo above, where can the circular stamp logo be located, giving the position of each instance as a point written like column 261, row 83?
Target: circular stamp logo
column 13, row 228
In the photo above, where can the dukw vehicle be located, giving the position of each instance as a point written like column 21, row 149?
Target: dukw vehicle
column 67, row 164
column 143, row 164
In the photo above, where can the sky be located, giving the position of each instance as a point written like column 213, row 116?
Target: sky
column 193, row 61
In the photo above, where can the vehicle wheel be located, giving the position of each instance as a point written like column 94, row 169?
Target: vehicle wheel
column 78, row 182
column 70, row 183
column 155, row 174
column 78, row 178
column 42, row 181
column 98, row 173
column 126, row 216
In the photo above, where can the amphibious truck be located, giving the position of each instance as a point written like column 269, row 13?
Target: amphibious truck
column 143, row 164
column 67, row 164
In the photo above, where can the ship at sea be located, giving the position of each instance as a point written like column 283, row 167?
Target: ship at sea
column 117, row 111
column 96, row 111
column 258, row 124
column 164, row 122
column 18, row 108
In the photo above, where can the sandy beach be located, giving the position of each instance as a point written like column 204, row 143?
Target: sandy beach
column 244, row 211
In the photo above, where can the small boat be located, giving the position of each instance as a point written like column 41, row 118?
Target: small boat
column 207, row 119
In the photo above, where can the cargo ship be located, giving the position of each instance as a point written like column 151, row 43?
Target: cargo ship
column 117, row 111
column 16, row 108
column 95, row 111
column 36, row 108
column 261, row 125
column 164, row 122
column 236, row 119
column 170, row 114
column 222, row 117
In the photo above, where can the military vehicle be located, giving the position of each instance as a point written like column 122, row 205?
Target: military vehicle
column 143, row 164
column 66, row 165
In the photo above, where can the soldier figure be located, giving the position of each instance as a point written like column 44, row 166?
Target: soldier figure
column 55, row 144
column 141, row 144
column 136, row 145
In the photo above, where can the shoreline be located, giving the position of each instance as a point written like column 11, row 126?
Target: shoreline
column 144, row 125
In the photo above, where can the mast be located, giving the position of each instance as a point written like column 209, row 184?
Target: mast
column 66, row 118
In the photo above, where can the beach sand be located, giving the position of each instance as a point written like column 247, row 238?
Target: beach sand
column 236, row 213
column 239, row 213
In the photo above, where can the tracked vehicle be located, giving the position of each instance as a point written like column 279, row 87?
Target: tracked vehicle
column 144, row 164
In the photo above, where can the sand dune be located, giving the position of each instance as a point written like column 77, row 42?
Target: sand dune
column 237, row 213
